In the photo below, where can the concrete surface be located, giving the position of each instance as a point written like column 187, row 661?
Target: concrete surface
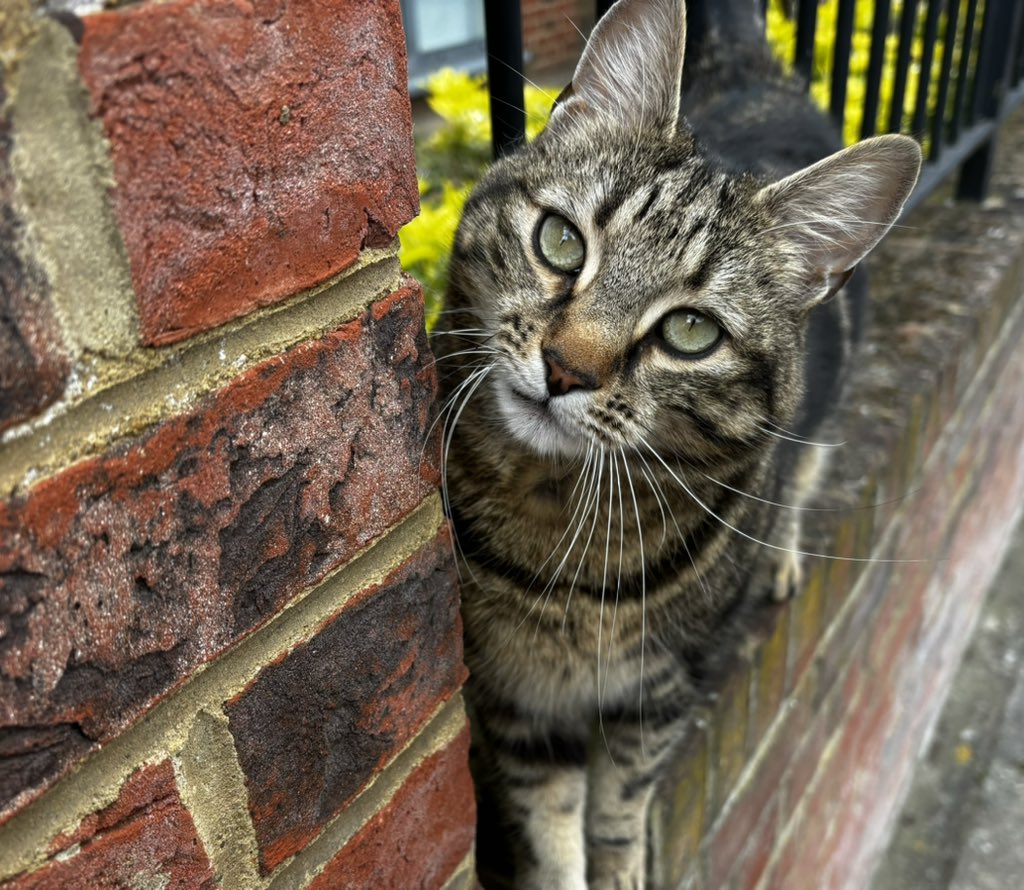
column 962, row 826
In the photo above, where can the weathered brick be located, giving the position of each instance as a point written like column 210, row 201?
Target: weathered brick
column 312, row 729
column 805, row 620
column 754, row 806
column 257, row 147
column 33, row 365
column 420, row 837
column 146, row 838
column 728, row 733
column 768, row 683
column 681, row 806
column 121, row 575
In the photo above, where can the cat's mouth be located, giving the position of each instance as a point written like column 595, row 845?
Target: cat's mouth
column 533, row 423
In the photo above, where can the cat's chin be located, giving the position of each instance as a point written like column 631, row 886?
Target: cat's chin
column 533, row 425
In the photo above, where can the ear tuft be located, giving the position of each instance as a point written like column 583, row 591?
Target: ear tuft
column 837, row 210
column 630, row 73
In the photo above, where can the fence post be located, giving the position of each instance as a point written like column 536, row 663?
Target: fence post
column 1001, row 21
column 503, row 23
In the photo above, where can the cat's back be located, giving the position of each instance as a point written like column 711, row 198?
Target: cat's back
column 740, row 104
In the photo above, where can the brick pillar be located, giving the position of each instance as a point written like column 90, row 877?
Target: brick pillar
column 230, row 650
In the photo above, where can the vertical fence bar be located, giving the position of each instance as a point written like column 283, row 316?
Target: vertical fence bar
column 963, row 71
column 841, row 60
column 906, row 45
column 876, row 64
column 503, row 23
column 1018, row 73
column 924, row 82
column 994, row 58
column 806, row 22
column 949, row 44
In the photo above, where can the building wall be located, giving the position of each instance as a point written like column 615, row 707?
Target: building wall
column 552, row 37
column 230, row 650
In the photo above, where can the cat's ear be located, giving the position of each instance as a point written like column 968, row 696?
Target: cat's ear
column 630, row 73
column 834, row 212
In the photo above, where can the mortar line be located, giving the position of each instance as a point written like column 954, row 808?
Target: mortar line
column 464, row 875
column 211, row 784
column 68, row 433
column 444, row 725
column 161, row 732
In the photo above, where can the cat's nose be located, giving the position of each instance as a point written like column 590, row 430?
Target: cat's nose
column 560, row 379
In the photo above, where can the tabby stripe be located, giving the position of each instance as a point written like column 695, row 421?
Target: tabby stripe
column 698, row 278
column 608, row 206
column 709, row 428
column 698, row 225
column 553, row 749
column 476, row 548
column 502, row 191
column 651, row 198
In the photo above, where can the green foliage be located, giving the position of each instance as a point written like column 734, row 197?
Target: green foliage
column 450, row 159
column 453, row 156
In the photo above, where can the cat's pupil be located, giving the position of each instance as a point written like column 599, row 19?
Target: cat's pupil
column 560, row 243
column 689, row 331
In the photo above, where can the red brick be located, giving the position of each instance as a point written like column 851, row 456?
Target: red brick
column 760, row 795
column 33, row 365
column 145, row 838
column 420, row 837
column 682, row 805
column 761, row 838
column 728, row 733
column 804, row 764
column 314, row 728
column 121, row 575
column 257, row 147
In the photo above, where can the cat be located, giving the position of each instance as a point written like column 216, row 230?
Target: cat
column 647, row 319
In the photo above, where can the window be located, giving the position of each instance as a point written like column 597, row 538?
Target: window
column 443, row 32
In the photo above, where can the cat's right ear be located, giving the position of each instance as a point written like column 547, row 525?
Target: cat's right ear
column 834, row 212
column 630, row 73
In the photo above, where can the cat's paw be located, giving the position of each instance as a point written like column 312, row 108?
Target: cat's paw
column 789, row 576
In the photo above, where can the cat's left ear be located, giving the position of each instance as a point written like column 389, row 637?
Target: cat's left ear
column 834, row 212
column 630, row 73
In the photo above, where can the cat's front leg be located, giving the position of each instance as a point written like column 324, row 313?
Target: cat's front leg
column 533, row 775
column 550, row 813
column 629, row 757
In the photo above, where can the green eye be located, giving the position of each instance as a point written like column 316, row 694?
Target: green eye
column 560, row 243
column 689, row 331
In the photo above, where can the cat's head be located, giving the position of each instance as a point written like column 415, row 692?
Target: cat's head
column 635, row 292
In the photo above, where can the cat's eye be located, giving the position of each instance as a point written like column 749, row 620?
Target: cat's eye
column 689, row 331
column 560, row 243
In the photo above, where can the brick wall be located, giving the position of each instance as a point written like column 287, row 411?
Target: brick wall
column 552, row 29
column 795, row 769
column 230, row 650
column 229, row 640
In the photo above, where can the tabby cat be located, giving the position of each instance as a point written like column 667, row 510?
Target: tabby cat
column 646, row 321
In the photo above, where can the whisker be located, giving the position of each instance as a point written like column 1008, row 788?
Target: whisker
column 643, row 598
column 743, row 534
column 799, row 441
column 449, row 432
column 804, row 509
column 590, row 536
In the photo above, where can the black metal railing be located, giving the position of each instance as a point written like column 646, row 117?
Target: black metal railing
column 960, row 100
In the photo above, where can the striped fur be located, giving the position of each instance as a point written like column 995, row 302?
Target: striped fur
column 612, row 536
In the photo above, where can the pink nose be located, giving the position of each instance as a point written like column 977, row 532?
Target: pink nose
column 560, row 380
